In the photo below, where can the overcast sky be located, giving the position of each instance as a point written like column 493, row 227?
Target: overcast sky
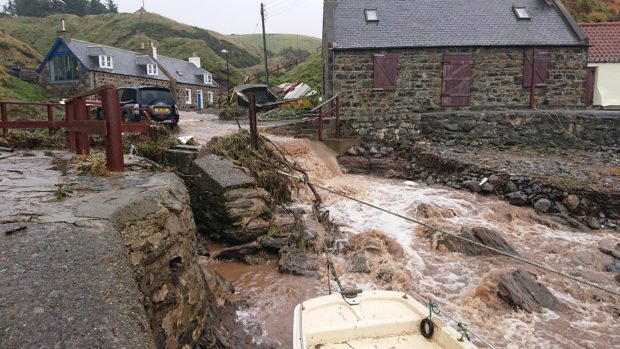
column 237, row 16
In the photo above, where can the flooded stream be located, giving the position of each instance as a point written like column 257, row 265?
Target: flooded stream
column 462, row 285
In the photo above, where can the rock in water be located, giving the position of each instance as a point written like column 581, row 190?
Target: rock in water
column 517, row 198
column 358, row 263
column 482, row 235
column 571, row 202
column 298, row 263
column 511, row 187
column 593, row 223
column 520, row 291
column 543, row 205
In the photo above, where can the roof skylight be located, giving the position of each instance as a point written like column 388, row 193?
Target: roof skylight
column 521, row 12
column 371, row 15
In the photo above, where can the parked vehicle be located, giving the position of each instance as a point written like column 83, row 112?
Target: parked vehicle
column 145, row 102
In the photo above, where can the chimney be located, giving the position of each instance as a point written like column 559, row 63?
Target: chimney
column 153, row 53
column 63, row 32
column 195, row 60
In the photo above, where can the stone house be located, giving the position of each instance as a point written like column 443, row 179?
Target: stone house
column 603, row 74
column 73, row 66
column 396, row 57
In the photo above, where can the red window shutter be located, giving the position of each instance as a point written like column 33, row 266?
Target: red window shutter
column 456, row 79
column 385, row 71
column 541, row 69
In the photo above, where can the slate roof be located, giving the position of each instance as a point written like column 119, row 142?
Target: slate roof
column 133, row 63
column 604, row 41
column 445, row 23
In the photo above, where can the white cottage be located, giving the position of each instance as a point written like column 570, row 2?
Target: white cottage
column 603, row 74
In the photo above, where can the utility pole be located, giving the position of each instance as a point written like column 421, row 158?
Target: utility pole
column 262, row 16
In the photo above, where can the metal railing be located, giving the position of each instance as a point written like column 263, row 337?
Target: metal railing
column 78, row 125
column 335, row 109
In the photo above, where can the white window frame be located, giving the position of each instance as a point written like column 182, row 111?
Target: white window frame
column 210, row 97
column 521, row 12
column 188, row 96
column 371, row 14
column 106, row 62
column 208, row 79
column 151, row 69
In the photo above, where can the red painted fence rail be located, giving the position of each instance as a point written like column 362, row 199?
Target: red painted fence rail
column 78, row 126
column 335, row 109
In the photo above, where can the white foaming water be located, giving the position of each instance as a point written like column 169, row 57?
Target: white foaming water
column 449, row 276
column 464, row 285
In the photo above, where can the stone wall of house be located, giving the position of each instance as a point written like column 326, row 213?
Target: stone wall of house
column 496, row 81
column 570, row 129
column 182, row 93
column 65, row 89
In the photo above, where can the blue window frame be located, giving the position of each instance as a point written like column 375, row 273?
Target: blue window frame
column 63, row 66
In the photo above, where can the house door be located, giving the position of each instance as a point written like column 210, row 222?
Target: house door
column 589, row 86
column 456, row 79
column 199, row 99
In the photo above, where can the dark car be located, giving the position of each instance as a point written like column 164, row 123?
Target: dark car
column 156, row 102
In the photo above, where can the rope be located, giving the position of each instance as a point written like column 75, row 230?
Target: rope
column 510, row 255
column 461, row 327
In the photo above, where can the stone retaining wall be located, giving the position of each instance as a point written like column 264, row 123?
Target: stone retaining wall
column 570, row 129
column 496, row 80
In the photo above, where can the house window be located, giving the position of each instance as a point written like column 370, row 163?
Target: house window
column 535, row 67
column 521, row 12
column 456, row 80
column 210, row 97
column 151, row 69
column 385, row 71
column 63, row 68
column 208, row 79
column 188, row 96
column 106, row 62
column 371, row 15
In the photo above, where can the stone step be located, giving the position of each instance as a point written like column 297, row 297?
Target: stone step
column 340, row 145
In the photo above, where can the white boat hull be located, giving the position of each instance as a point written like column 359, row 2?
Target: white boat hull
column 382, row 319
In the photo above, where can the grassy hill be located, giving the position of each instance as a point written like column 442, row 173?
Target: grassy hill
column 309, row 72
column 277, row 43
column 586, row 11
column 12, row 51
column 172, row 38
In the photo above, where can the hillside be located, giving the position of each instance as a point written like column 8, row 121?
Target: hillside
column 277, row 43
column 309, row 72
column 586, row 11
column 172, row 38
column 11, row 52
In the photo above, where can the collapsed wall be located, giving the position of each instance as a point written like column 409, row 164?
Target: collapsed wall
column 155, row 221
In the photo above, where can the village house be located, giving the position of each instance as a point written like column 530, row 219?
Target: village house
column 402, row 57
column 603, row 78
column 73, row 66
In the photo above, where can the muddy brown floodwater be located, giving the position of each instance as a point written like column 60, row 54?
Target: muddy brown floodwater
column 463, row 285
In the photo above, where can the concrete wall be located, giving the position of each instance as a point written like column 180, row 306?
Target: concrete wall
column 497, row 80
column 606, row 84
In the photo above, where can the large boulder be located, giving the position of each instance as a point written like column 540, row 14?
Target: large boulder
column 521, row 292
column 296, row 262
column 227, row 203
column 482, row 235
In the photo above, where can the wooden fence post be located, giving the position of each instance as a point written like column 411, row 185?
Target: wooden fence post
column 113, row 139
column 253, row 126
